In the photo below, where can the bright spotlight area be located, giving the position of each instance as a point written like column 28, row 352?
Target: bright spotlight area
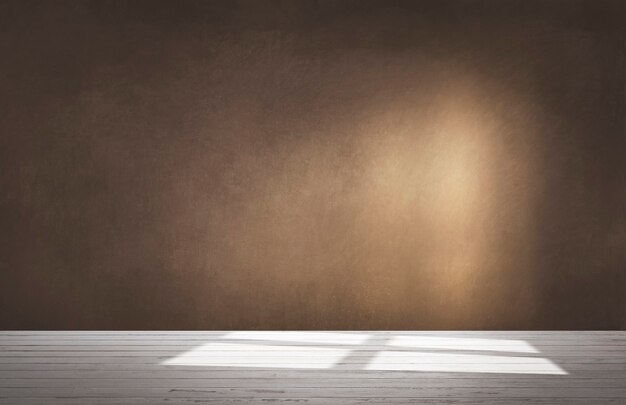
column 454, row 343
column 304, row 337
column 357, row 351
column 462, row 363
column 266, row 356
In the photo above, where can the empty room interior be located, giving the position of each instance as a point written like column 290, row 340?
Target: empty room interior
column 317, row 202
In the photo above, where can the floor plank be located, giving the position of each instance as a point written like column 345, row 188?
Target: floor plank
column 334, row 367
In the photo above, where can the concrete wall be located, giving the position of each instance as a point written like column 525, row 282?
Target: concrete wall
column 312, row 165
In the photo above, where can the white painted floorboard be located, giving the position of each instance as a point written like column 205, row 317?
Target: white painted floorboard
column 334, row 368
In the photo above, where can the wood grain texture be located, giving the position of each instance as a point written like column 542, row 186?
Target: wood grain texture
column 100, row 374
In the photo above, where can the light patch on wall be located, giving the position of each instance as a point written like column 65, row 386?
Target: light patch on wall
column 412, row 211
column 430, row 181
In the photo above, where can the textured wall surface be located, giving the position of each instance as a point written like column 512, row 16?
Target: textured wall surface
column 311, row 165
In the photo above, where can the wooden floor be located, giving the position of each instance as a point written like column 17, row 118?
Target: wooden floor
column 331, row 368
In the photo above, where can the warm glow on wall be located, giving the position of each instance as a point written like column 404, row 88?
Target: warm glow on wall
column 400, row 213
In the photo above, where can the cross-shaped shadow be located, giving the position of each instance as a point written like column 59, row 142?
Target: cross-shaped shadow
column 360, row 356
column 368, row 352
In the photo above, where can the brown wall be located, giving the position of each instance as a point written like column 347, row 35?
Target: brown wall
column 300, row 164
